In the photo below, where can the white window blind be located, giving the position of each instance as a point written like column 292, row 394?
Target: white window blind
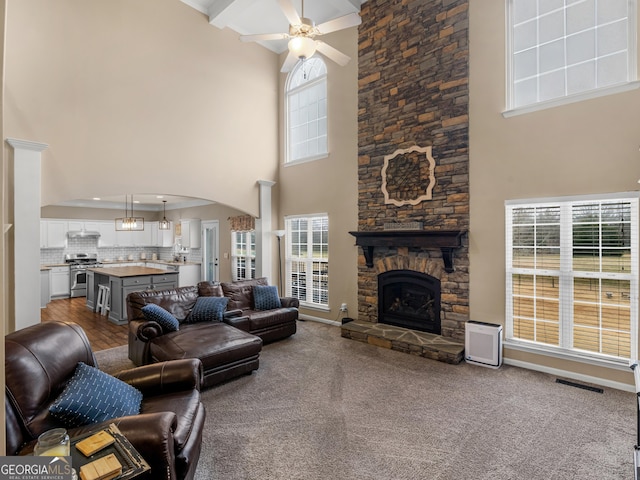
column 307, row 259
column 565, row 48
column 243, row 255
column 572, row 275
column 307, row 111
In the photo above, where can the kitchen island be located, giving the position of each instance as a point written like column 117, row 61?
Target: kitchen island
column 121, row 282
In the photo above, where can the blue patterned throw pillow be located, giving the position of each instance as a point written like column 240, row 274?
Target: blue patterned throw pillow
column 265, row 297
column 156, row 313
column 208, row 309
column 92, row 396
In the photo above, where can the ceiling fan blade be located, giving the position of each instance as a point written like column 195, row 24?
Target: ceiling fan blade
column 290, row 12
column 346, row 21
column 289, row 63
column 333, row 54
column 264, row 36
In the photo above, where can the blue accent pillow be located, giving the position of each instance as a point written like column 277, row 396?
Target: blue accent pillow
column 156, row 313
column 208, row 309
column 92, row 396
column 265, row 297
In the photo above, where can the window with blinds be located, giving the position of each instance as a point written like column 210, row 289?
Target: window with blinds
column 568, row 48
column 243, row 255
column 572, row 275
column 307, row 259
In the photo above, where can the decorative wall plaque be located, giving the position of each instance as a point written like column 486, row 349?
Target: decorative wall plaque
column 408, row 176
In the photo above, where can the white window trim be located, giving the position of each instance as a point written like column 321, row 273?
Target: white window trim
column 633, row 84
column 569, row 99
column 560, row 352
column 311, row 158
column 288, row 259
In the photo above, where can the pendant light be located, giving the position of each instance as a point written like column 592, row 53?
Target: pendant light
column 164, row 224
column 129, row 223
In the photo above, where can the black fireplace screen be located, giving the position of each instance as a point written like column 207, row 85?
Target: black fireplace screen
column 409, row 299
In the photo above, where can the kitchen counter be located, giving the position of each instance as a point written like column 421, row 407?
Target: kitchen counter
column 122, row 272
column 121, row 282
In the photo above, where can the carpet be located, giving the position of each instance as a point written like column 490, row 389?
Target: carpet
column 324, row 407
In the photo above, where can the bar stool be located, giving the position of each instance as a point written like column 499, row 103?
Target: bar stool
column 103, row 302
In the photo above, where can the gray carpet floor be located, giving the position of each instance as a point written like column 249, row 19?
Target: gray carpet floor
column 324, row 407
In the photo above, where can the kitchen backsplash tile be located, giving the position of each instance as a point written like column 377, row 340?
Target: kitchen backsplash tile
column 50, row 256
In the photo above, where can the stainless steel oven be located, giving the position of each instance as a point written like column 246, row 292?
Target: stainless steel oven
column 78, row 264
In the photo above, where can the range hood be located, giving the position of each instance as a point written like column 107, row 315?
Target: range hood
column 83, row 234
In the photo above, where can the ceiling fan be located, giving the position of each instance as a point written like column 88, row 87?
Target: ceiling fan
column 302, row 32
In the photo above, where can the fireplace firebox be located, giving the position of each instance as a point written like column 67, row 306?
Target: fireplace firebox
column 409, row 299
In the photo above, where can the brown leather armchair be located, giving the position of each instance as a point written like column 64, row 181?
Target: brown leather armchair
column 41, row 359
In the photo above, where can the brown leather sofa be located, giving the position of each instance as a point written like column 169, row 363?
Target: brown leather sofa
column 225, row 351
column 269, row 325
column 41, row 359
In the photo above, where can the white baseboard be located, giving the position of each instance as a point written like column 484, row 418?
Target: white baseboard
column 311, row 318
column 572, row 375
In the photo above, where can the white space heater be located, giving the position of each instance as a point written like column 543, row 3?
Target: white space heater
column 483, row 344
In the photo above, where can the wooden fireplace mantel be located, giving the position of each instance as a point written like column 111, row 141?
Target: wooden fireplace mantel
column 446, row 240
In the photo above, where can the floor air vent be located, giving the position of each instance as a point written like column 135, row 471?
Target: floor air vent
column 580, row 385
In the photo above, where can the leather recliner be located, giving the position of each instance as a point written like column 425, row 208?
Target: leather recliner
column 41, row 359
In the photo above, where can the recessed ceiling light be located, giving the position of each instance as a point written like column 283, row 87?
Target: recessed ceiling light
column 159, row 196
column 136, row 201
column 96, row 198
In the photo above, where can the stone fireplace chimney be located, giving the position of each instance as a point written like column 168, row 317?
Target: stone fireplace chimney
column 413, row 98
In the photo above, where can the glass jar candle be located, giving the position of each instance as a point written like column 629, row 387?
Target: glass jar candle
column 53, row 443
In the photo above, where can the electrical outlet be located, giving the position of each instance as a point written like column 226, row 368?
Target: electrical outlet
column 343, row 307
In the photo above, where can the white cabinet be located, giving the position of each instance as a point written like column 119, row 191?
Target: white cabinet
column 107, row 234
column 188, row 275
column 45, row 285
column 142, row 238
column 76, row 225
column 161, row 238
column 124, row 238
column 53, row 234
column 60, row 282
column 135, row 238
column 190, row 232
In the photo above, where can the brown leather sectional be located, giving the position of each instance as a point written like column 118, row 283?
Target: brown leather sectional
column 227, row 349
column 269, row 325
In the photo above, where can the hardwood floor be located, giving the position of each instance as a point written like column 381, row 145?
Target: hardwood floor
column 101, row 332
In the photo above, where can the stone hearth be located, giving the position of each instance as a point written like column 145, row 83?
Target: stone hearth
column 401, row 339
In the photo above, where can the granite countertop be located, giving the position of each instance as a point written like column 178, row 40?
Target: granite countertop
column 128, row 271
column 44, row 268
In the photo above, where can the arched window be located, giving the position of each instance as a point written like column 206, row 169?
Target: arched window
column 306, row 111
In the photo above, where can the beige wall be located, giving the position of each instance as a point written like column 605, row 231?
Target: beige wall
column 140, row 97
column 581, row 148
column 330, row 185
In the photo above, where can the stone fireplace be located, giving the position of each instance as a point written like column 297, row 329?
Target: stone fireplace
column 413, row 214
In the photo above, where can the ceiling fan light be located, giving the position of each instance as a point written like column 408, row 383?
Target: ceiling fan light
column 302, row 47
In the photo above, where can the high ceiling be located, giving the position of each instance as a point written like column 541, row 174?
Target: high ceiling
column 245, row 17
column 249, row 17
